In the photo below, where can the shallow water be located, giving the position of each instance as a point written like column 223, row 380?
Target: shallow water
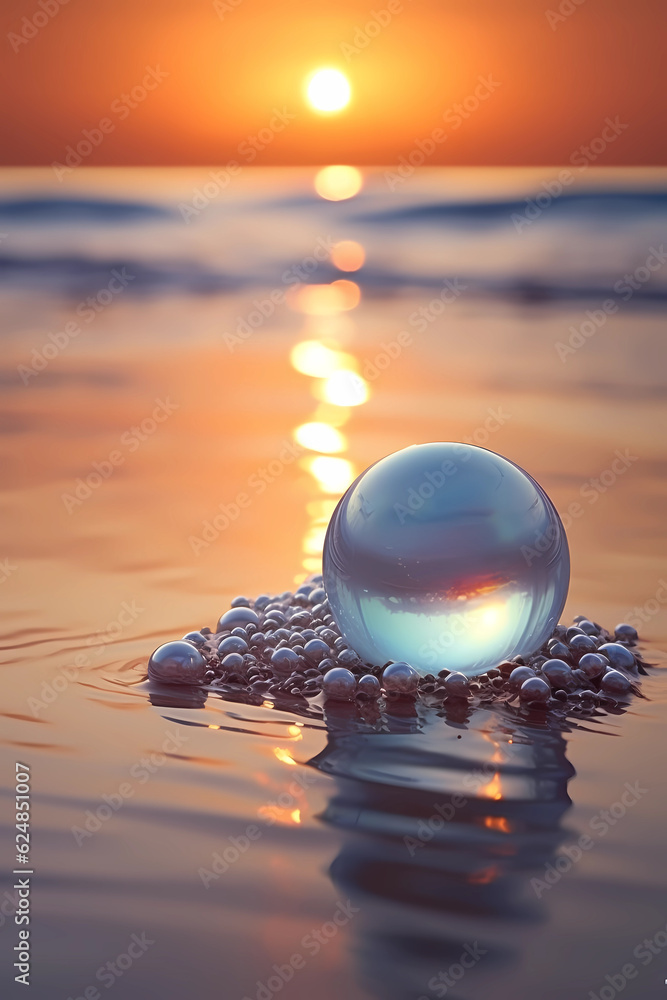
column 351, row 853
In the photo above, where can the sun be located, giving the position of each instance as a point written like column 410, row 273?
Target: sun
column 328, row 90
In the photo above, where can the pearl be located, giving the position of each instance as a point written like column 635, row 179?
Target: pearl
column 457, row 684
column 559, row 674
column 348, row 658
column 232, row 644
column 316, row 650
column 233, row 663
column 592, row 664
column 339, row 684
column 284, row 661
column 535, row 690
column 237, row 616
column 519, row 675
column 368, row 687
column 177, row 662
column 400, row 678
column 614, row 682
column 618, row 655
column 196, row 638
column 581, row 644
column 626, row 632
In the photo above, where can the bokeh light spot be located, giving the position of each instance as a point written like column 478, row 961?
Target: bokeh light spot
column 325, row 300
column 348, row 255
column 337, row 182
column 310, row 357
column 320, row 437
column 345, row 388
column 333, row 475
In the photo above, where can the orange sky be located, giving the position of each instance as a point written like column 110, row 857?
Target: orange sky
column 554, row 80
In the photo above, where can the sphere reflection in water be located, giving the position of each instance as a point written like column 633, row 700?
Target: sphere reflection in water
column 443, row 828
column 445, row 555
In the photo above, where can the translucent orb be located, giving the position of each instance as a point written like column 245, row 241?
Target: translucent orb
column 446, row 556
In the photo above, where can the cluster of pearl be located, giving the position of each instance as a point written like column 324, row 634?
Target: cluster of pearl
column 290, row 646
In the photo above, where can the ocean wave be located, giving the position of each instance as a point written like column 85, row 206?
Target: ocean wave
column 608, row 204
column 47, row 209
column 75, row 275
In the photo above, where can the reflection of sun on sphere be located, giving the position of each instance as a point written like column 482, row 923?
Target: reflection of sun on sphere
column 328, row 90
column 337, row 182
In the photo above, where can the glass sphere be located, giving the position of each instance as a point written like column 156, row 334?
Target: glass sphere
column 446, row 556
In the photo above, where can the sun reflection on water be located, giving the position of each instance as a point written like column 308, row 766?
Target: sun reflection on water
column 336, row 383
